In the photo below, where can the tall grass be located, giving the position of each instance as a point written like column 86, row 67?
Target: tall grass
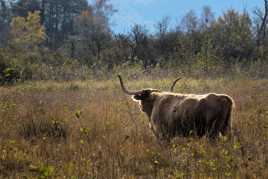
column 91, row 129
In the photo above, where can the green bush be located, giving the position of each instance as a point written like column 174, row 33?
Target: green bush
column 8, row 75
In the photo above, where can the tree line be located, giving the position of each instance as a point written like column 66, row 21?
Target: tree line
column 38, row 36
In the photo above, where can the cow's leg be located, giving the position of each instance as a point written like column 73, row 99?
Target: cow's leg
column 226, row 127
column 213, row 128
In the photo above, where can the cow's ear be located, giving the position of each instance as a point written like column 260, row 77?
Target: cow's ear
column 142, row 96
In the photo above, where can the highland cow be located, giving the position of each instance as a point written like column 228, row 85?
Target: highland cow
column 175, row 114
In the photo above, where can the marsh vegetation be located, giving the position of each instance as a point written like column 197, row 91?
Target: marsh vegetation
column 90, row 129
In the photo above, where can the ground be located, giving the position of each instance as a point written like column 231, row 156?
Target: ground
column 91, row 129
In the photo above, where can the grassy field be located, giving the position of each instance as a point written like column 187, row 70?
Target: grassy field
column 91, row 129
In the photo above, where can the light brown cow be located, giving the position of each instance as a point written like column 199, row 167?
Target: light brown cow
column 175, row 114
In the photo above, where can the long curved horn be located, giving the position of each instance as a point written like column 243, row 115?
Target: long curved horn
column 124, row 88
column 173, row 84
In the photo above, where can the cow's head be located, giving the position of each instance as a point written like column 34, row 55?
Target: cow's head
column 145, row 97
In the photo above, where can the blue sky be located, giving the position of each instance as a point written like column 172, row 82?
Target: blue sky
column 149, row 12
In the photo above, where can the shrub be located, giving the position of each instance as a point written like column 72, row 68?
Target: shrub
column 43, row 128
column 8, row 75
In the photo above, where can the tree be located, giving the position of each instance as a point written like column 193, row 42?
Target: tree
column 93, row 34
column 261, row 32
column 57, row 16
column 161, row 35
column 165, row 42
column 207, row 18
column 232, row 36
column 23, row 49
column 207, row 21
column 122, row 48
column 192, row 37
column 27, row 33
column 142, row 49
column 261, row 21
column 58, row 19
column 5, row 17
column 189, row 22
column 23, row 7
column 93, row 37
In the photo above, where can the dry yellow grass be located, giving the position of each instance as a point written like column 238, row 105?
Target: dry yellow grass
column 92, row 130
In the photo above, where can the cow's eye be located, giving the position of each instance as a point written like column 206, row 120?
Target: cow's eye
column 142, row 96
column 137, row 97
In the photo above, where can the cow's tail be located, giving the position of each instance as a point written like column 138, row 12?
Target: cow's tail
column 227, row 104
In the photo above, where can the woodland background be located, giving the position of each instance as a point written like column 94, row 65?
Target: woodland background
column 68, row 40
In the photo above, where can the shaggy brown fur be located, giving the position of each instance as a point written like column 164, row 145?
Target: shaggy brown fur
column 174, row 114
